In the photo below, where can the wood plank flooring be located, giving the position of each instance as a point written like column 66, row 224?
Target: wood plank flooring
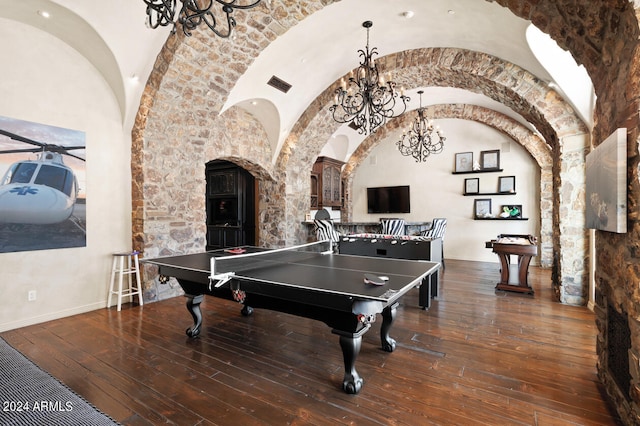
column 477, row 357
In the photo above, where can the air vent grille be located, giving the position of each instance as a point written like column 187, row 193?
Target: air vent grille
column 279, row 84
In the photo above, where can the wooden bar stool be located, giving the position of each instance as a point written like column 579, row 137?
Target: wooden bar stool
column 125, row 264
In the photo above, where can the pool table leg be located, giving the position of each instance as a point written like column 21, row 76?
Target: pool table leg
column 388, row 316
column 352, row 382
column 350, row 344
column 193, row 306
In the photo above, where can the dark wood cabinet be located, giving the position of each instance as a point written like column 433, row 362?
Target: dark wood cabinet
column 230, row 204
column 326, row 183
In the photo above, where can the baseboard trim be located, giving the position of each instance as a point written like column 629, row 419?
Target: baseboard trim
column 25, row 322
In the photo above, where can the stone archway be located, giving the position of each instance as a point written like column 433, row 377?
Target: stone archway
column 532, row 143
column 562, row 130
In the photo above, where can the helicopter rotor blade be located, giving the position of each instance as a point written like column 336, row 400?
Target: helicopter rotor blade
column 43, row 146
column 74, row 156
column 17, row 151
column 21, row 138
column 66, row 148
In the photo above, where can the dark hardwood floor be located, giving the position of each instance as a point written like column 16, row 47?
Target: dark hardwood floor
column 477, row 357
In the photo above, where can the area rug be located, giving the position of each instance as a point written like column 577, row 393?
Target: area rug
column 30, row 396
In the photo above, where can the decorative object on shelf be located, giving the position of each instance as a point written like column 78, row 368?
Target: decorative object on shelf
column 490, row 160
column 476, row 166
column 506, row 184
column 511, row 211
column 192, row 14
column 482, row 208
column 366, row 100
column 472, row 186
column 422, row 139
column 464, row 162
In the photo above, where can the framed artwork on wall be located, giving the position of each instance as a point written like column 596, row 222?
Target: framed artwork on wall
column 606, row 186
column 471, row 186
column 490, row 160
column 43, row 200
column 464, row 162
column 482, row 207
column 506, row 184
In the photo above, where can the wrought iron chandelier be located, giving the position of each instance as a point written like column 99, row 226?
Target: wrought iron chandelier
column 422, row 139
column 366, row 100
column 192, row 14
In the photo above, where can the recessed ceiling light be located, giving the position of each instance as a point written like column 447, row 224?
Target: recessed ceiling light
column 451, row 12
column 44, row 14
column 408, row 14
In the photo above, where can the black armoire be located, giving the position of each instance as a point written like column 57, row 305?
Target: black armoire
column 231, row 206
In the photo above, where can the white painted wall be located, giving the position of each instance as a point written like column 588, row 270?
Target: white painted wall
column 44, row 80
column 436, row 192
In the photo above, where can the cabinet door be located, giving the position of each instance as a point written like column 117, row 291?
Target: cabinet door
column 336, row 187
column 331, row 186
column 233, row 237
column 215, row 238
column 314, row 191
column 225, row 236
column 327, row 190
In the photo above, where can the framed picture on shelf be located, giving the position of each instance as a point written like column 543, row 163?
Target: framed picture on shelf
column 482, row 207
column 506, row 184
column 471, row 186
column 490, row 160
column 511, row 211
column 464, row 162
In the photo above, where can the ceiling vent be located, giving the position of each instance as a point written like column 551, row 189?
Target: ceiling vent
column 279, row 84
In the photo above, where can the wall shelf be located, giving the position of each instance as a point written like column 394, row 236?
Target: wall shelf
column 477, row 171
column 500, row 218
column 488, row 193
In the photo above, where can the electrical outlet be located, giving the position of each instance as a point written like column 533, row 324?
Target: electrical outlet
column 31, row 296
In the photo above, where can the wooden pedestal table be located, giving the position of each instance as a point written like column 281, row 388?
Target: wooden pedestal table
column 514, row 277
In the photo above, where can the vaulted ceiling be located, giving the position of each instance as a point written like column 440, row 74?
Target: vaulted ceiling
column 310, row 56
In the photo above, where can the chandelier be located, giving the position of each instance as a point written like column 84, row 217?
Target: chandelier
column 366, row 100
column 191, row 14
column 422, row 139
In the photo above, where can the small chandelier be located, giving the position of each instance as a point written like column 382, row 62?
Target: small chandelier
column 163, row 13
column 423, row 139
column 366, row 100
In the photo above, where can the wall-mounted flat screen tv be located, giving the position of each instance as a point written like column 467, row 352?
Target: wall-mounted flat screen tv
column 388, row 199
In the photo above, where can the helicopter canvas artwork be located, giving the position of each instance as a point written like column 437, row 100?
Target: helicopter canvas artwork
column 43, row 186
